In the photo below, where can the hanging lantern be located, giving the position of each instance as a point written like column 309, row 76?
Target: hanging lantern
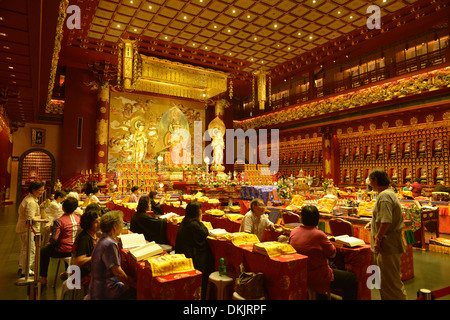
column 261, row 82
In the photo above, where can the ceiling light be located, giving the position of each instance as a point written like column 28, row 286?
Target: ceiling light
column 135, row 30
column 299, row 33
column 229, row 30
column 310, row 37
column 275, row 26
column 3, row 34
column 165, row 37
column 6, row 47
column 8, row 58
column 13, row 75
column 206, row 48
column 150, row 7
column 11, row 67
column 289, row 48
column 215, row 27
column 251, row 59
column 254, row 38
column 234, row 11
column 351, row 17
column 185, row 17
column 131, row 1
column 248, row 16
column 118, row 26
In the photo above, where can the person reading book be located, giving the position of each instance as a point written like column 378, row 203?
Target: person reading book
column 191, row 241
column 153, row 229
column 306, row 239
column 156, row 207
column 109, row 281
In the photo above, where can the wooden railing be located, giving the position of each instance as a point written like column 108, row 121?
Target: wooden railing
column 354, row 81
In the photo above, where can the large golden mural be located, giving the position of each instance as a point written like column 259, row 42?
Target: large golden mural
column 143, row 127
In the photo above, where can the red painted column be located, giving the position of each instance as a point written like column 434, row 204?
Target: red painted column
column 101, row 132
column 330, row 147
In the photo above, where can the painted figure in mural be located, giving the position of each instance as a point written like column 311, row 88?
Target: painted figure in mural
column 218, row 146
column 140, row 141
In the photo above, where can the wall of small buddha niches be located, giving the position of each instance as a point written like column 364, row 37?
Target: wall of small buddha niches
column 405, row 151
column 301, row 153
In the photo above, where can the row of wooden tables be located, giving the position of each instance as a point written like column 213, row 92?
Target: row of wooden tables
column 285, row 276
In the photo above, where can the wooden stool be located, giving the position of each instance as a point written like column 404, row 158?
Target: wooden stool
column 221, row 282
column 68, row 260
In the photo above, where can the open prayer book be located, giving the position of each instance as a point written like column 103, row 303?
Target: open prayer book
column 146, row 251
column 132, row 240
column 348, row 241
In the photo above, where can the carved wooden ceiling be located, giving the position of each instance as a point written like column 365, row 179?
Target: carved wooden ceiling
column 238, row 37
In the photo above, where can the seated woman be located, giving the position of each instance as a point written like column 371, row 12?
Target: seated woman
column 155, row 207
column 191, row 241
column 64, row 230
column 306, row 239
column 134, row 194
column 109, row 281
column 141, row 222
column 85, row 242
column 95, row 194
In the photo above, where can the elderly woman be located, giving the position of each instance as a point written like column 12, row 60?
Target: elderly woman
column 109, row 281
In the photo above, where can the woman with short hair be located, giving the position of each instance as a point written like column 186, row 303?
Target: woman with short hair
column 109, row 281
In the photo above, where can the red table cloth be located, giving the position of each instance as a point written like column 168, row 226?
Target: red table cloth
column 285, row 276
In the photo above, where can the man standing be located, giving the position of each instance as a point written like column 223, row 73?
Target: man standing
column 386, row 236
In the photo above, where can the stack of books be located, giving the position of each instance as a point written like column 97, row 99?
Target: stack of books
column 273, row 248
column 169, row 264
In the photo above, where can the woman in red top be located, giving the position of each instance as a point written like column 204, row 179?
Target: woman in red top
column 314, row 243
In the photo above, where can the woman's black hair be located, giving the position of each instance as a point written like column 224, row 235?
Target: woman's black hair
column 193, row 211
column 143, row 204
column 310, row 216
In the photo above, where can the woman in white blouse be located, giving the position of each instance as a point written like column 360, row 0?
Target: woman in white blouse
column 29, row 210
